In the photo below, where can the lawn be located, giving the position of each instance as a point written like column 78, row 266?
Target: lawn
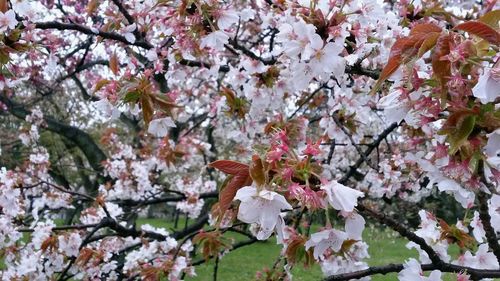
column 242, row 264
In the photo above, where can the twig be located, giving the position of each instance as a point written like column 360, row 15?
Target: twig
column 349, row 135
column 374, row 144
column 88, row 31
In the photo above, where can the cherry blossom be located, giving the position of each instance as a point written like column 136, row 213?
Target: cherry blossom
column 215, row 40
column 326, row 239
column 488, row 85
column 159, row 127
column 299, row 38
column 257, row 117
column 128, row 32
column 227, row 18
column 494, row 210
column 261, row 207
column 413, row 272
column 341, row 197
column 7, row 20
column 492, row 149
column 482, row 259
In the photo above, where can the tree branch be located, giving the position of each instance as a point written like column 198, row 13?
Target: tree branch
column 83, row 140
column 88, row 31
column 402, row 230
column 368, row 151
column 392, row 268
column 485, row 217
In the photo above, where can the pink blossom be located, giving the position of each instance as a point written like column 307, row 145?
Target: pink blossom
column 7, row 20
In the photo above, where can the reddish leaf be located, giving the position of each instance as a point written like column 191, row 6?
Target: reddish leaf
column 425, row 28
column 391, row 66
column 147, row 108
column 230, row 167
column 84, row 257
column 113, row 64
column 226, row 195
column 211, row 242
column 405, row 49
column 295, row 251
column 92, row 6
column 165, row 105
column 239, row 177
column 441, row 66
column 428, row 43
column 49, row 244
column 257, row 171
column 150, row 273
column 4, row 6
column 453, row 234
column 481, row 30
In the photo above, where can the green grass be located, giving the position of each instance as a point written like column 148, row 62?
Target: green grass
column 241, row 264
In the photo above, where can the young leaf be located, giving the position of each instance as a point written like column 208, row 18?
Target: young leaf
column 147, row 108
column 422, row 38
column 4, row 6
column 481, row 30
column 100, row 84
column 441, row 66
column 113, row 64
column 211, row 242
column 230, row 167
column 257, row 171
column 92, row 6
column 425, row 28
column 428, row 44
column 239, row 177
column 462, row 132
column 491, row 18
column 163, row 104
column 453, row 234
column 391, row 66
column 227, row 193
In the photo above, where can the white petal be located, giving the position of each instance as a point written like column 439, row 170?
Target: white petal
column 248, row 211
column 341, row 197
column 130, row 37
column 354, row 226
column 160, row 127
column 246, row 193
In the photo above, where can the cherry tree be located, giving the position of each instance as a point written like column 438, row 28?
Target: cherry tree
column 254, row 117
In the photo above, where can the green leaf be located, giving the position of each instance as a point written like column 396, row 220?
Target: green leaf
column 491, row 18
column 474, row 162
column 4, row 56
column 132, row 97
column 462, row 132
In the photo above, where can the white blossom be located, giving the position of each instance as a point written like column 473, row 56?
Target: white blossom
column 341, row 197
column 261, row 207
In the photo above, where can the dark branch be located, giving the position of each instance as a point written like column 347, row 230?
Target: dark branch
column 83, row 140
column 402, row 230
column 368, row 151
column 88, row 31
column 485, row 217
